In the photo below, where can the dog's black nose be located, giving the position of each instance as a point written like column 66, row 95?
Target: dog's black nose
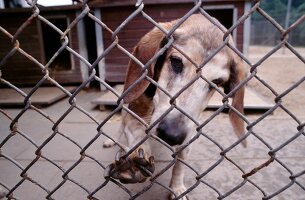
column 171, row 131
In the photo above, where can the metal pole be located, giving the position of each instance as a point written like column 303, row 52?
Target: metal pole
column 288, row 14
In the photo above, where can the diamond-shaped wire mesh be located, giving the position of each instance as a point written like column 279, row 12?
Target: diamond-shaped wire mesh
column 206, row 177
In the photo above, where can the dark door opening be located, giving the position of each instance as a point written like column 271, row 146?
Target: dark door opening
column 51, row 43
column 224, row 16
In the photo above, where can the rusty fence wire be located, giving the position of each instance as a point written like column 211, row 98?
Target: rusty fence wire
column 8, row 191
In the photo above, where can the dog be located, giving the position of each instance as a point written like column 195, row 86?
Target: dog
column 198, row 38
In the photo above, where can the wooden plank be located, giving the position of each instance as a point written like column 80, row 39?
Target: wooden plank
column 252, row 101
column 44, row 96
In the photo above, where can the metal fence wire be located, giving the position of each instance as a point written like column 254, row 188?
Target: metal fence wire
column 295, row 178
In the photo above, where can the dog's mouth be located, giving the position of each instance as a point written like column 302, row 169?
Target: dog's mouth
column 136, row 168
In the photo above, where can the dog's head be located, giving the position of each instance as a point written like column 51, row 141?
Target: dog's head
column 176, row 73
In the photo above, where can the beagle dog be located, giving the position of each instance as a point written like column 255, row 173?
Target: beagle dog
column 166, row 116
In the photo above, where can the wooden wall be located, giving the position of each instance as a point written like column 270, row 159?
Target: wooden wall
column 19, row 70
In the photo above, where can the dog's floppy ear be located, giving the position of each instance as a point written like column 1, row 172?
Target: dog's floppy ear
column 237, row 74
column 146, row 48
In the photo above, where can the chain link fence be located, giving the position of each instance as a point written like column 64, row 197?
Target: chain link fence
column 263, row 32
column 296, row 178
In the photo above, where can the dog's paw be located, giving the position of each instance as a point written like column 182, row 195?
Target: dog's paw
column 136, row 168
column 108, row 143
column 178, row 191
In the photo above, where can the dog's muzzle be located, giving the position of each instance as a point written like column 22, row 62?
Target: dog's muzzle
column 172, row 131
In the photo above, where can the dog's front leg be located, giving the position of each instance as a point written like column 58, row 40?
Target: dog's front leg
column 177, row 181
column 138, row 166
column 134, row 132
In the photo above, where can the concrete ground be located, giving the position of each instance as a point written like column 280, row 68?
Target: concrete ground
column 274, row 130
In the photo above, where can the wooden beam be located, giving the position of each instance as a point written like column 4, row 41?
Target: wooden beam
column 82, row 47
column 100, row 46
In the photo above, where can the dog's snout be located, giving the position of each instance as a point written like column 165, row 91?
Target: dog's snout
column 173, row 131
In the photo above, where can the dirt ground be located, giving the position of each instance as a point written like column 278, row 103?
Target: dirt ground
column 280, row 71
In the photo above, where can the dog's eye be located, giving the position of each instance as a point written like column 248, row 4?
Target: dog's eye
column 177, row 64
column 218, row 81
